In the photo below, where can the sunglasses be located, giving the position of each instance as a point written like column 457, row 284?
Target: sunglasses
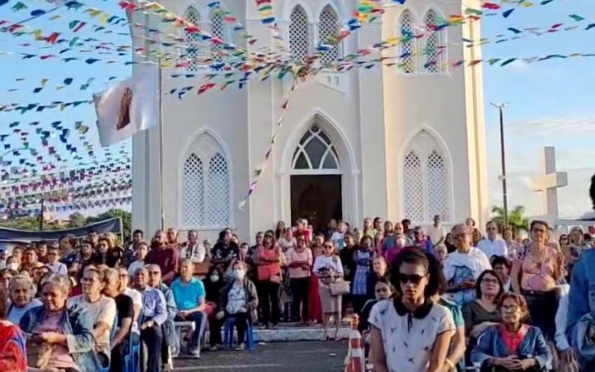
column 413, row 278
column 328, row 246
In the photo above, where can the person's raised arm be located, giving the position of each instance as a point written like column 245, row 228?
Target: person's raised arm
column 377, row 354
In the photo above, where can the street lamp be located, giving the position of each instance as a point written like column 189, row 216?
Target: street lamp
column 500, row 108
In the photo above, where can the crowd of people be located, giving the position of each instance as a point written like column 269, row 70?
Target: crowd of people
column 428, row 300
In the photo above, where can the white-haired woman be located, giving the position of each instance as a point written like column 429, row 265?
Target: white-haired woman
column 21, row 292
column 62, row 332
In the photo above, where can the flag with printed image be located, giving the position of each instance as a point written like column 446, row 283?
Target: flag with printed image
column 129, row 107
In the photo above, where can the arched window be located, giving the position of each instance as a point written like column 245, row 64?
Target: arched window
column 219, row 29
column 328, row 30
column 206, row 186
column 407, row 50
column 413, row 187
column 218, row 203
column 299, row 34
column 433, row 44
column 194, row 45
column 193, row 202
column 426, row 180
column 316, row 152
column 437, row 186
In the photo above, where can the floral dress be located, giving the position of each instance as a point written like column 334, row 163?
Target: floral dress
column 13, row 354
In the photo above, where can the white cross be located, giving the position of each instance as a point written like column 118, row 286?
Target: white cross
column 549, row 182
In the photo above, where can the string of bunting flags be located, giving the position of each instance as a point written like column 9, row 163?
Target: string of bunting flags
column 230, row 63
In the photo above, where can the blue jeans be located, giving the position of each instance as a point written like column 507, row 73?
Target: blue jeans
column 199, row 320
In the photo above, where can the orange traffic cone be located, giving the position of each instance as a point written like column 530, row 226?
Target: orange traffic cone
column 355, row 353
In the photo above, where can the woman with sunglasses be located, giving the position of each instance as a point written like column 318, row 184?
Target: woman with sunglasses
column 512, row 345
column 410, row 332
column 329, row 269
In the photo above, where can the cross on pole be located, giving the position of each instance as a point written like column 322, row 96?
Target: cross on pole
column 549, row 182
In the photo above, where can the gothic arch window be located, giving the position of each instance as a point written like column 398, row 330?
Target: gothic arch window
column 316, row 153
column 193, row 192
column 299, row 34
column 328, row 28
column 205, row 201
column 194, row 44
column 433, row 50
column 219, row 29
column 426, row 180
column 407, row 54
column 413, row 187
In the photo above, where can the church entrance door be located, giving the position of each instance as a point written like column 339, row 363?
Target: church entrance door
column 317, row 198
column 316, row 180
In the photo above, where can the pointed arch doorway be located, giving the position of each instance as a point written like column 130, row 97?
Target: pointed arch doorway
column 316, row 180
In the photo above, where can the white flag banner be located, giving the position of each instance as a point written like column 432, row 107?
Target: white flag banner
column 128, row 107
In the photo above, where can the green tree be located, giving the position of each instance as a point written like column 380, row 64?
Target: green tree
column 516, row 218
column 76, row 220
column 115, row 213
column 21, row 223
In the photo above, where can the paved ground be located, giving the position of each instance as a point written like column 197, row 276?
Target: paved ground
column 308, row 356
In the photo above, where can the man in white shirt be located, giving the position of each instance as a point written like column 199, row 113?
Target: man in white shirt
column 101, row 308
column 492, row 245
column 436, row 232
column 192, row 249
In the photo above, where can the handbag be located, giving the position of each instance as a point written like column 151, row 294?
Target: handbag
column 340, row 288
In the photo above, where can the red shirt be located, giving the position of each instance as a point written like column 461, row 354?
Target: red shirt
column 168, row 260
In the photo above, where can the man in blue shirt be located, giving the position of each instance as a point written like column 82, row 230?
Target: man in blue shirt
column 154, row 314
column 189, row 294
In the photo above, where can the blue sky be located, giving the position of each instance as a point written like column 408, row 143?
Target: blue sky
column 550, row 103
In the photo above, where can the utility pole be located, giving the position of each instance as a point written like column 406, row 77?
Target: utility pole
column 41, row 215
column 500, row 108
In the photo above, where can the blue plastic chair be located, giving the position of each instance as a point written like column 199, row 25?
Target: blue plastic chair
column 228, row 334
column 132, row 359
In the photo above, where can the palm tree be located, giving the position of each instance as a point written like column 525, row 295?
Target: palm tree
column 516, row 218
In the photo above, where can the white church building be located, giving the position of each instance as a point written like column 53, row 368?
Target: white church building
column 397, row 142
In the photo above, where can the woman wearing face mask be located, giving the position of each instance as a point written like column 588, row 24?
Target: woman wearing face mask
column 398, row 242
column 12, row 264
column 214, row 283
column 21, row 291
column 240, row 301
column 512, row 345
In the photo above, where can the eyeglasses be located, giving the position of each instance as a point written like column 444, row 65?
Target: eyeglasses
column 489, row 281
column 510, row 308
column 413, row 278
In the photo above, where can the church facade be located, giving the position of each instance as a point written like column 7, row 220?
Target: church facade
column 403, row 141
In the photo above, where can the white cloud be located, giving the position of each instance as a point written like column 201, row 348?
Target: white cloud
column 552, row 128
column 520, row 65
